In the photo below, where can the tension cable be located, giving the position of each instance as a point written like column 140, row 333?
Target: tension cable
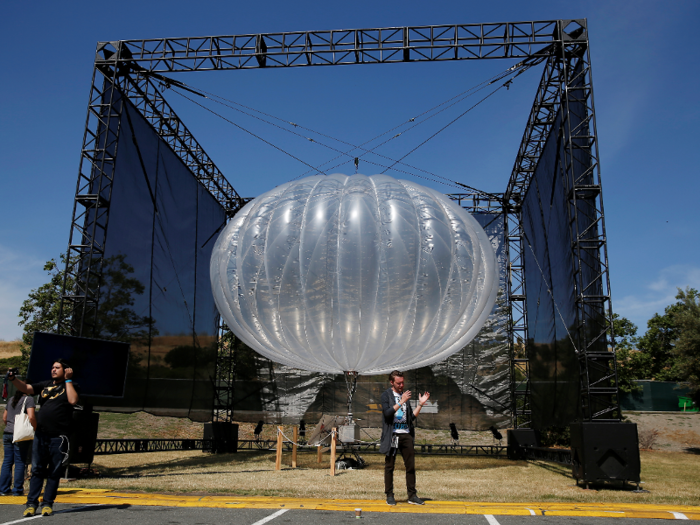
column 316, row 170
column 517, row 69
column 544, row 278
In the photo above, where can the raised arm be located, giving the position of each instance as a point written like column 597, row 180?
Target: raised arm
column 422, row 400
column 70, row 389
column 390, row 409
column 19, row 384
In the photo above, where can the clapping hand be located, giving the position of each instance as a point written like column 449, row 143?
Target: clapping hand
column 406, row 396
column 424, row 398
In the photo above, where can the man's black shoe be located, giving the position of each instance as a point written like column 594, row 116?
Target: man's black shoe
column 390, row 500
column 415, row 500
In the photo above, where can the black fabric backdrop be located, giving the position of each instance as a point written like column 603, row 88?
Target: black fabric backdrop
column 550, row 263
column 163, row 225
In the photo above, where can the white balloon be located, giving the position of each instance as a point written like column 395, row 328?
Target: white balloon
column 363, row 274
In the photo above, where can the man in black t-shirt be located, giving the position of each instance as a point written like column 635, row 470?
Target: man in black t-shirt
column 50, row 449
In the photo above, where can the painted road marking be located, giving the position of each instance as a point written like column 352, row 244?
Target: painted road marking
column 491, row 519
column 271, row 517
column 679, row 515
column 38, row 515
column 532, row 512
column 21, row 520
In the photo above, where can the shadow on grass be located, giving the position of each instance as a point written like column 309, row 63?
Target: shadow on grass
column 555, row 468
column 257, row 461
column 692, row 450
column 204, row 460
column 116, row 475
column 565, row 471
column 610, row 486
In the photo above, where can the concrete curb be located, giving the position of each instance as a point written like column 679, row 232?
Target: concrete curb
column 603, row 510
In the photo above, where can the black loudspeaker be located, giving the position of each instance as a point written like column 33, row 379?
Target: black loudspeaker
column 605, row 452
column 519, row 438
column 208, row 438
column 83, row 436
column 223, row 437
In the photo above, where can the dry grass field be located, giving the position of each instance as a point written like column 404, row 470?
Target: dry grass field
column 670, row 478
column 9, row 349
column 670, row 471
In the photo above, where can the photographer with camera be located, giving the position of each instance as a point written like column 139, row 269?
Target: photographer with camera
column 398, row 435
column 50, row 451
column 16, row 452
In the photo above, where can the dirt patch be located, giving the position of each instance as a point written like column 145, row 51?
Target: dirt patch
column 146, row 426
column 142, row 425
column 676, row 432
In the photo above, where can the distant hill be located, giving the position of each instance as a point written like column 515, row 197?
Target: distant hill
column 9, row 349
column 9, row 355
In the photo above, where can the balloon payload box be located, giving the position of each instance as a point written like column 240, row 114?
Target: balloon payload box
column 349, row 433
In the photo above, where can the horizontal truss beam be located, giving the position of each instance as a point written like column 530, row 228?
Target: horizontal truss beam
column 500, row 40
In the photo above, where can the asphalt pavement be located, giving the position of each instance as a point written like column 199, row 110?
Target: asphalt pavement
column 77, row 506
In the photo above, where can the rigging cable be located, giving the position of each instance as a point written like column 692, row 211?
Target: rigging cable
column 491, row 80
column 251, row 133
column 517, row 69
column 506, row 85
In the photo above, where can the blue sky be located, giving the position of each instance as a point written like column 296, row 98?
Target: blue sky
column 645, row 77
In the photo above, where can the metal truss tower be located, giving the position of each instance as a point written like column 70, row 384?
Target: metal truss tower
column 134, row 69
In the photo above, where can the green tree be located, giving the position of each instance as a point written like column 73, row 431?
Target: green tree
column 116, row 318
column 658, row 344
column 39, row 312
column 630, row 363
column 687, row 344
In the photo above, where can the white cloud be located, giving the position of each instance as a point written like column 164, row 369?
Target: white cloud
column 19, row 274
column 657, row 294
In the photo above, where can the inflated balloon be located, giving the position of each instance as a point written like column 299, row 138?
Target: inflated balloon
column 362, row 274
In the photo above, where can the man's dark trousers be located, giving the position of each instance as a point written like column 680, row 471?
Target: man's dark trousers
column 47, row 459
column 409, row 461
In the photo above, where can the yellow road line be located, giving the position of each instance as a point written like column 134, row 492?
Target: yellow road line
column 606, row 510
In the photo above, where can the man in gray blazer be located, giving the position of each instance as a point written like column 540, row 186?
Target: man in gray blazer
column 398, row 434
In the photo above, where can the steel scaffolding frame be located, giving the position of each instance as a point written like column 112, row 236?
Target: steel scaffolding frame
column 132, row 69
column 517, row 321
column 567, row 83
column 88, row 234
column 480, row 202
